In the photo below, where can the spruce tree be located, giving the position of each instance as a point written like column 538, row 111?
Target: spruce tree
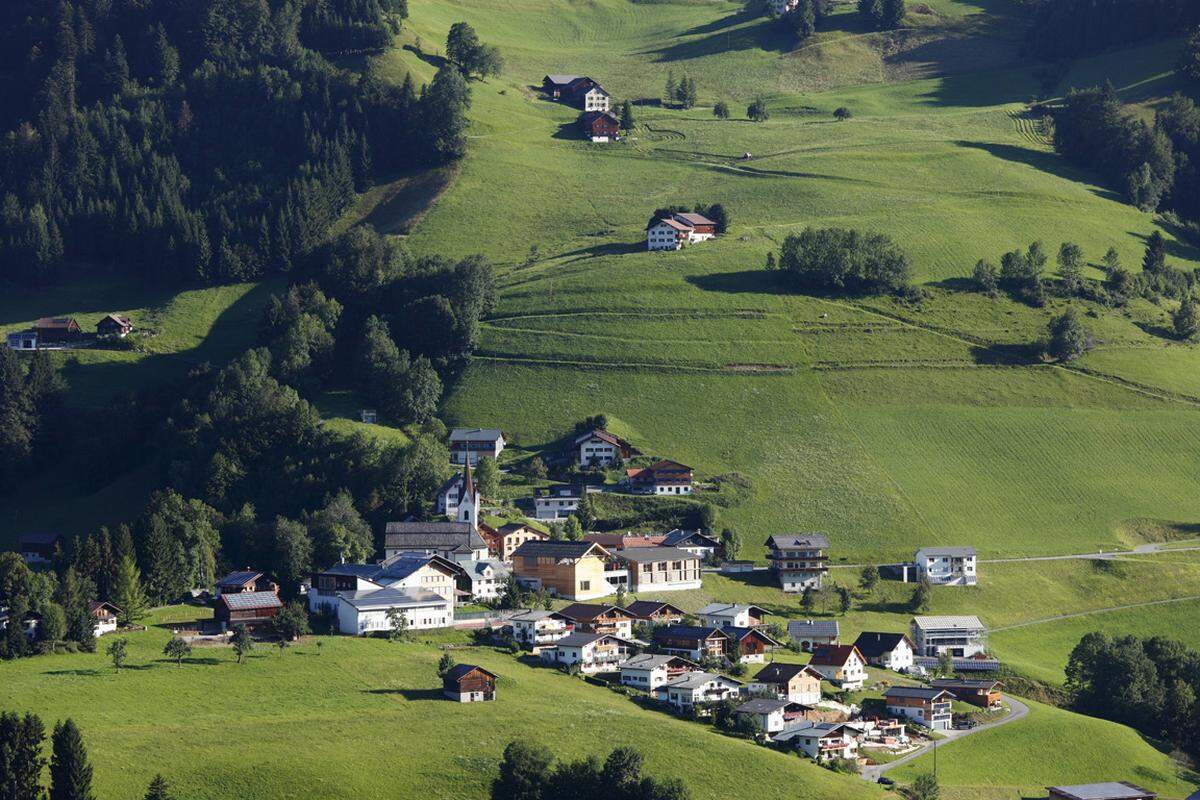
column 1155, row 259
column 128, row 594
column 893, row 12
column 627, row 122
column 21, row 760
column 158, row 789
column 70, row 772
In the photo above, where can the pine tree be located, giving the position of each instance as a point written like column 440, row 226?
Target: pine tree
column 1155, row 259
column 70, row 772
column 158, row 789
column 21, row 760
column 627, row 122
column 1186, row 319
column 672, row 89
column 128, row 594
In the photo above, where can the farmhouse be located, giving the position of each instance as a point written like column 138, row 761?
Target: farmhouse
column 773, row 716
column 245, row 580
column 537, row 627
column 808, row 633
column 579, row 89
column 648, row 671
column 887, row 650
column 593, row 652
column 458, row 498
column 114, row 325
column 660, row 569
column 982, row 693
column 928, row 706
column 104, row 614
column 749, row 645
column 599, row 448
column 695, row 542
column 947, row 566
column 841, row 664
column 961, row 636
column 468, row 445
column 570, row 570
column 695, row 643
column 1113, row 790
column 593, row 98
column 558, row 503
column 731, row 615
column 246, row 608
column 600, row 126
column 599, row 618
column 822, row 741
column 39, row 548
column 795, row 682
column 654, row 612
column 559, row 86
column 467, row 683
column 667, row 234
column 798, row 561
column 363, row 612
column 454, row 541
column 697, row 689
column 503, row 541
column 56, row 331
column 661, row 477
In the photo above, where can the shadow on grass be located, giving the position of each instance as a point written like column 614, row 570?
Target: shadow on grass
column 198, row 661
column 437, row 62
column 1007, row 354
column 1050, row 163
column 79, row 673
column 410, row 694
column 609, row 249
column 1177, row 248
column 757, row 281
column 956, row 285
column 568, row 131
column 765, row 35
column 1159, row 331
column 887, row 607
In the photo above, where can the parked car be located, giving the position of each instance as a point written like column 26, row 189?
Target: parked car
column 885, row 781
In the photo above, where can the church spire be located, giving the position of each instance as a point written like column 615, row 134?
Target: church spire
column 469, row 484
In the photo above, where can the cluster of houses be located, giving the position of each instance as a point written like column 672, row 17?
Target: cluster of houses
column 596, row 121
column 54, row 333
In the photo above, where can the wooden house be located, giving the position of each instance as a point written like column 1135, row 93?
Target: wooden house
column 104, row 614
column 571, row 570
column 982, row 693
column 245, row 580
column 749, row 645
column 468, row 683
column 842, row 664
column 695, row 643
column 654, row 612
column 600, row 126
column 795, row 682
column 57, row 330
column 114, row 325
column 246, row 608
column 599, row 618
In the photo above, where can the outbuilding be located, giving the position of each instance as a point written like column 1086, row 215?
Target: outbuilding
column 468, row 683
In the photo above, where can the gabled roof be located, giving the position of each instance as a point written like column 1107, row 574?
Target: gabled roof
column 43, row 539
column 394, row 569
column 589, row 118
column 946, row 552
column 727, row 610
column 240, row 578
column 666, row 465
column 963, row 683
column 479, row 567
column 102, row 608
column 475, row 434
column 250, row 601
column 737, row 634
column 693, row 219
column 116, row 319
column 55, row 323
column 948, row 622
column 873, row 644
column 586, row 612
column 918, row 692
column 460, row 671
column 604, row 436
column 767, row 705
column 823, row 628
column 689, row 632
column 581, row 639
column 561, row 80
column 649, row 555
column 644, row 609
column 779, row 672
column 535, row 614
column 813, row 541
column 516, row 527
column 391, row 598
column 678, row 536
column 696, row 680
column 833, row 655
column 654, row 661
column 682, row 227
column 549, row 548
column 455, row 536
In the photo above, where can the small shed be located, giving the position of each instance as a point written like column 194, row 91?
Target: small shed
column 368, row 415
column 468, row 683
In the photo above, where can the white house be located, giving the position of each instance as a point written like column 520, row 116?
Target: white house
column 660, row 569
column 928, row 706
column 537, row 627
column 595, row 99
column 888, row 650
column 947, row 566
column 599, row 448
column 593, row 652
column 960, row 636
column 731, row 615
column 695, row 542
column 808, row 633
column 402, row 572
column 771, row 715
column 362, row 613
column 667, row 234
column 105, row 616
column 22, row 340
column 649, row 671
column 487, row 577
column 841, row 664
column 560, row 503
column 468, row 445
column 697, row 689
column 822, row 741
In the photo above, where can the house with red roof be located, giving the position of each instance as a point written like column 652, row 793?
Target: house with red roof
column 599, row 448
column 661, row 477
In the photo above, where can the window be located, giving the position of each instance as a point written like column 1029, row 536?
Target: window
column 585, row 586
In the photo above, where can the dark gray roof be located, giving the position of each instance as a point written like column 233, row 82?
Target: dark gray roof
column 432, row 536
column 692, row 632
column 40, row 538
column 392, row 598
column 563, row 79
column 460, row 670
column 953, row 552
column 763, row 706
column 642, row 609
column 240, row 578
column 780, row 672
column 813, row 540
column 475, row 434
column 873, row 644
column 1111, row 790
column 653, row 660
column 246, row 601
column 737, row 634
column 920, row 692
column 695, row 538
column 694, row 680
column 644, row 555
column 555, row 549
column 824, row 628
column 965, row 683
column 396, row 568
column 579, row 639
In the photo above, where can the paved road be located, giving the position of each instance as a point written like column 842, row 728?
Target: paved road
column 1016, row 710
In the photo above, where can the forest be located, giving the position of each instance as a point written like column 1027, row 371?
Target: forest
column 1063, row 29
column 201, row 141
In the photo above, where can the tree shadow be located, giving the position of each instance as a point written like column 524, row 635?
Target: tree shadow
column 79, row 673
column 747, row 281
column 1050, row 163
column 1177, row 247
column 410, row 694
column 608, row 249
column 765, row 35
column 961, row 284
column 746, row 14
column 198, row 661
column 432, row 60
column 1156, row 330
column 1007, row 354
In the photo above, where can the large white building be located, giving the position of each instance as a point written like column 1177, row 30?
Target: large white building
column 660, row 569
column 947, row 566
column 537, row 627
column 677, row 230
column 423, row 587
column 599, row 448
column 560, row 503
column 696, row 689
column 798, row 561
column 362, row 613
column 960, row 636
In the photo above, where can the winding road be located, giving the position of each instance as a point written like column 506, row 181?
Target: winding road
column 1016, row 710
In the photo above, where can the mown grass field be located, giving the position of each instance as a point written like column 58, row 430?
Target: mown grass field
column 362, row 718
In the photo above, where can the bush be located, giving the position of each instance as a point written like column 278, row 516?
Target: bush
column 1069, row 339
column 844, row 260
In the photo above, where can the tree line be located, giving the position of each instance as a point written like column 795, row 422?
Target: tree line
column 1064, row 29
column 1156, row 166
column 208, row 141
column 1150, row 684
column 529, row 772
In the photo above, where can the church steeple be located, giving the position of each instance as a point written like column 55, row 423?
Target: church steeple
column 468, row 503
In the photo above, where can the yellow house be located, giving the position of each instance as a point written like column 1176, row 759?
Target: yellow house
column 571, row 570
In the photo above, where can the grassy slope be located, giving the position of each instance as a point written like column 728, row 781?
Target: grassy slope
column 1019, row 759
column 318, row 724
column 880, row 434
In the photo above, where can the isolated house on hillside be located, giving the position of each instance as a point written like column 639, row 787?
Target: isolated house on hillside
column 114, row 325
column 600, row 126
column 104, row 614
column 468, row 445
column 57, row 331
column 947, row 566
column 599, row 448
column 468, row 683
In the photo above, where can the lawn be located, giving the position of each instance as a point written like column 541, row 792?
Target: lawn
column 318, row 723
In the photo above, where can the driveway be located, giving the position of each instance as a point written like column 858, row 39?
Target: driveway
column 1016, row 710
